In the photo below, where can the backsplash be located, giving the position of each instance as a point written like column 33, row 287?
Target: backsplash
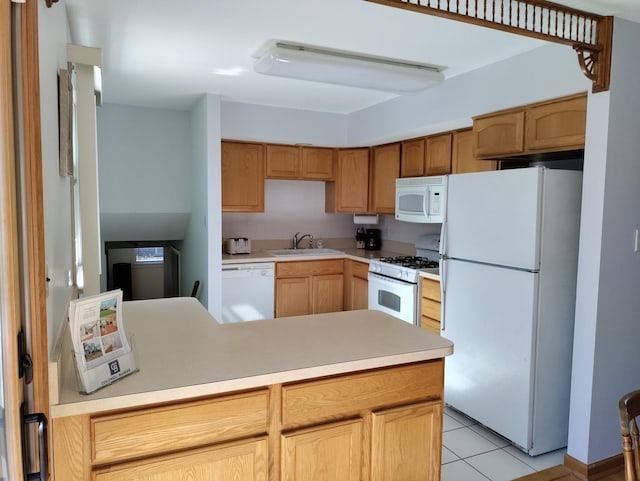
column 290, row 206
column 298, row 206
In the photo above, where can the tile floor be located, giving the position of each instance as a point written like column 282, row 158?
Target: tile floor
column 471, row 452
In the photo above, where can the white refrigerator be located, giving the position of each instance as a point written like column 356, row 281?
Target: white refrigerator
column 508, row 275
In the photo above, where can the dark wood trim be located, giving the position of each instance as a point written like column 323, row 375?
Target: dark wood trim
column 539, row 19
column 598, row 470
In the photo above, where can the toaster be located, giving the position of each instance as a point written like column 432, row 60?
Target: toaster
column 238, row 245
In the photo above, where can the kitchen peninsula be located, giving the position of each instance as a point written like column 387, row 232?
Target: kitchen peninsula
column 278, row 399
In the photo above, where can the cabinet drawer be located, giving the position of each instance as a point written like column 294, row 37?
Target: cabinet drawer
column 432, row 325
column 244, row 461
column 308, row 268
column 153, row 431
column 430, row 308
column 348, row 395
column 431, row 289
column 360, row 269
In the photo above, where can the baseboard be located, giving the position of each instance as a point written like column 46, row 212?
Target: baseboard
column 594, row 471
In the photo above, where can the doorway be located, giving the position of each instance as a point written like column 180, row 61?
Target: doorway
column 143, row 269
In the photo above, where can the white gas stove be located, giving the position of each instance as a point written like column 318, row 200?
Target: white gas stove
column 393, row 281
column 406, row 268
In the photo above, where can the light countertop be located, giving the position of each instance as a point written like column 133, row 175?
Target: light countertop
column 182, row 352
column 361, row 255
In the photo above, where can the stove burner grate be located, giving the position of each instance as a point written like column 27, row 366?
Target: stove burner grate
column 414, row 262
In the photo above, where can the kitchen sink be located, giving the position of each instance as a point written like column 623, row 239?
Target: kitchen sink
column 303, row 252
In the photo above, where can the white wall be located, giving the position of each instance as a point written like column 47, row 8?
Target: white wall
column 288, row 126
column 290, row 206
column 144, row 157
column 543, row 73
column 199, row 261
column 213, row 186
column 607, row 334
column 53, row 36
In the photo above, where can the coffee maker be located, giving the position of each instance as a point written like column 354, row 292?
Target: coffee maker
column 372, row 240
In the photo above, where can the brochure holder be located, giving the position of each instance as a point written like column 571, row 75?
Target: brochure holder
column 101, row 349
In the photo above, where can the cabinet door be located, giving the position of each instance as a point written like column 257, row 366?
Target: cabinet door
column 406, row 443
column 462, row 157
column 412, row 162
column 317, row 163
column 359, row 293
column 557, row 125
column 293, row 296
column 283, row 162
column 242, row 177
column 352, row 181
column 438, row 154
column 499, row 134
column 385, row 170
column 328, row 291
column 244, row 461
column 323, row 453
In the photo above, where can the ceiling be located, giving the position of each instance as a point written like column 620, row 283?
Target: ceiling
column 165, row 54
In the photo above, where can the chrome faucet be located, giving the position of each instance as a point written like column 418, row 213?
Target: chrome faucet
column 296, row 239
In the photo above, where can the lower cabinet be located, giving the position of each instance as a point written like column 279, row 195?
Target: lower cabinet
column 379, row 425
column 430, row 305
column 331, row 452
column 401, row 437
column 404, row 443
column 242, row 461
column 356, row 285
column 309, row 287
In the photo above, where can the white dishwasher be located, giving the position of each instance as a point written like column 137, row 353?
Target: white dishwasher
column 247, row 291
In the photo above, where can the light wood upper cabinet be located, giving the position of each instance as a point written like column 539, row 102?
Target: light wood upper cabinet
column 309, row 287
column 242, row 177
column 385, row 166
column 350, row 191
column 283, row 161
column 317, row 163
column 552, row 125
column 438, row 154
column 500, row 134
column 412, row 161
column 462, row 157
column 299, row 163
column 557, row 125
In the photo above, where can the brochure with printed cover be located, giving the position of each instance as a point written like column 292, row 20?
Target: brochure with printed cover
column 101, row 348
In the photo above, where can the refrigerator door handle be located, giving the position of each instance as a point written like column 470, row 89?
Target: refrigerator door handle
column 443, row 294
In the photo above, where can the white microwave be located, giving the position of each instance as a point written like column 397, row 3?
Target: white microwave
column 421, row 199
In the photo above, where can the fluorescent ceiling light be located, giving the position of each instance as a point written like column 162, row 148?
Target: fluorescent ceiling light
column 345, row 68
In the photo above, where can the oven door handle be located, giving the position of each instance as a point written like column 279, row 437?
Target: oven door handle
column 390, row 279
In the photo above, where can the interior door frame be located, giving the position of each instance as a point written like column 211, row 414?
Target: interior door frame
column 22, row 265
column 9, row 265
